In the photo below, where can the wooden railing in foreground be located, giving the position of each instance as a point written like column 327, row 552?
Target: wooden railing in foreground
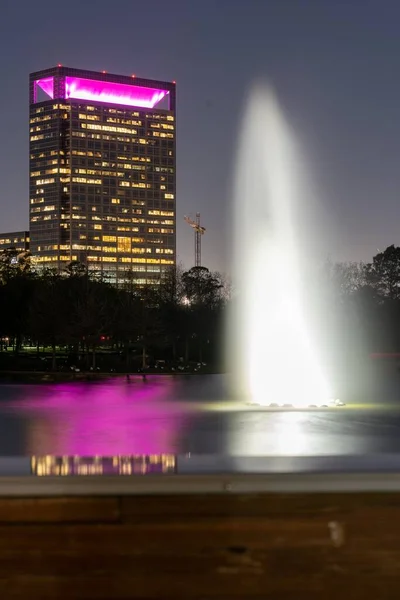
column 263, row 545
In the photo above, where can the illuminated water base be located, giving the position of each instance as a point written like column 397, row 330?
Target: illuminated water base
column 271, row 348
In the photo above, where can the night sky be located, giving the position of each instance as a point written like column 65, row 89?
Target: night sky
column 334, row 63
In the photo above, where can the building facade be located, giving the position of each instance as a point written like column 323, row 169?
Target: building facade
column 103, row 173
column 16, row 240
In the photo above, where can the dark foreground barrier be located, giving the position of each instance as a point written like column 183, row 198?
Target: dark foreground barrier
column 62, row 541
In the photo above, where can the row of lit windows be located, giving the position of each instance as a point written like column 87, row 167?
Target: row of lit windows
column 97, row 136
column 43, row 208
column 42, row 109
column 95, row 226
column 37, row 218
column 90, row 153
column 162, row 213
column 123, row 113
column 107, row 217
column 134, row 184
column 109, row 138
column 162, row 126
column 94, row 217
column 114, row 219
column 109, row 128
column 133, row 202
column 38, row 259
column 43, row 127
column 113, row 238
column 160, row 134
column 90, row 181
column 105, row 110
column 39, row 119
column 89, row 117
column 123, row 121
column 114, row 165
column 99, row 172
column 50, row 172
column 160, row 230
column 41, row 133
column 8, row 241
column 111, row 111
column 86, row 180
column 107, row 259
column 123, row 248
column 127, row 259
column 44, row 218
column 45, row 181
column 160, row 116
column 48, row 163
column 114, row 173
column 157, row 221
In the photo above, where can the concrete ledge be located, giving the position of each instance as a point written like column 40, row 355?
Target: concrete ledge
column 199, row 484
column 171, row 545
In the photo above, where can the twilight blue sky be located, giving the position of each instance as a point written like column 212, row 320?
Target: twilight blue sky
column 334, row 63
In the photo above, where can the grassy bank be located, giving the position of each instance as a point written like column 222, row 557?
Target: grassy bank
column 32, row 377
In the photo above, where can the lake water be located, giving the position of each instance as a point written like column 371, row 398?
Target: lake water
column 179, row 415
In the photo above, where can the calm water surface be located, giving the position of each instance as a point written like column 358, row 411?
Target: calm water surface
column 179, row 415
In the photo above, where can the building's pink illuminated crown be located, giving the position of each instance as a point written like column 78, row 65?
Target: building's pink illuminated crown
column 101, row 89
column 47, row 85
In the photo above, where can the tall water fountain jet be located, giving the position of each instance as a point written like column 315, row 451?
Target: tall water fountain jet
column 269, row 337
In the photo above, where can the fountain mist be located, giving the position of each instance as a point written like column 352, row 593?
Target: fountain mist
column 269, row 340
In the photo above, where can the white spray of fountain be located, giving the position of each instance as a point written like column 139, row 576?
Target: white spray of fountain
column 275, row 361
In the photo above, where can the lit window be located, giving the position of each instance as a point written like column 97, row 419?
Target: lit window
column 124, row 244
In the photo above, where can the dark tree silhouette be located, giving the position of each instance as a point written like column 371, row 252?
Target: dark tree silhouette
column 383, row 274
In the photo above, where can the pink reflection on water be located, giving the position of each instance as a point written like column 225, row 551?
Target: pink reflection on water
column 103, row 419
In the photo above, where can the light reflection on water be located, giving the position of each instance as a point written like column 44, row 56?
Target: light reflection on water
column 43, row 466
column 106, row 419
column 176, row 415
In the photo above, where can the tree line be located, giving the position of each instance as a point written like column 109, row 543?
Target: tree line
column 355, row 308
column 76, row 311
column 367, row 297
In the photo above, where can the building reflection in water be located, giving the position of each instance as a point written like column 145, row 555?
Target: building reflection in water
column 103, row 465
column 112, row 418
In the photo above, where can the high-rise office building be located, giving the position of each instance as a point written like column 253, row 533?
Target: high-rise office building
column 15, row 240
column 102, row 173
